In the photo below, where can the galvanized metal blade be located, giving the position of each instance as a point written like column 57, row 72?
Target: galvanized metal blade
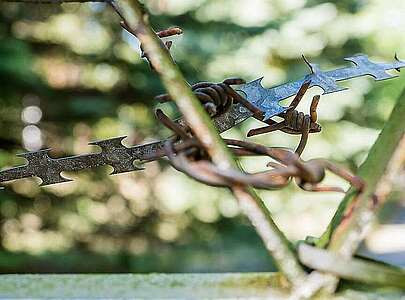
column 268, row 99
column 113, row 153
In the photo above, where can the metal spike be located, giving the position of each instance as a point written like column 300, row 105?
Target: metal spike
column 378, row 71
column 398, row 60
column 113, row 153
column 268, row 99
column 40, row 164
column 310, row 66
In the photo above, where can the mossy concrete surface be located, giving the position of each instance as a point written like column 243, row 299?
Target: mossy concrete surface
column 169, row 286
column 151, row 286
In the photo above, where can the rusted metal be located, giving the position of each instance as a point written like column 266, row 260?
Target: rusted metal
column 307, row 174
column 161, row 34
column 195, row 162
column 122, row 158
column 135, row 32
column 295, row 122
column 169, row 123
column 169, row 32
column 217, row 98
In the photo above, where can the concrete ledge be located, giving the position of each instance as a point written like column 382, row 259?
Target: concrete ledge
column 151, row 286
column 167, row 286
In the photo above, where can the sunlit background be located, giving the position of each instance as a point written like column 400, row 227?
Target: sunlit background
column 70, row 75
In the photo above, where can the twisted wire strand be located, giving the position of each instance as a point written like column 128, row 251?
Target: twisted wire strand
column 187, row 155
column 192, row 160
column 295, row 122
column 216, row 98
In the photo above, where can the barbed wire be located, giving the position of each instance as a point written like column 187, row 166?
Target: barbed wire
column 187, row 155
column 295, row 122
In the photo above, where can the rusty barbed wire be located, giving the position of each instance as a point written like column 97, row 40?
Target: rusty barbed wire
column 172, row 31
column 295, row 122
column 217, row 98
column 161, row 34
column 307, row 174
column 187, row 155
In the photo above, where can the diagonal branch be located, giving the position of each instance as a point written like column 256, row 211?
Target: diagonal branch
column 356, row 214
column 356, row 269
column 200, row 123
column 385, row 158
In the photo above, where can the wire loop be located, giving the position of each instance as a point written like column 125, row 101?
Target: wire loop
column 295, row 122
column 188, row 156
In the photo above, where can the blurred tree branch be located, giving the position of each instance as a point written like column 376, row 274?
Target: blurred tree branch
column 384, row 160
column 201, row 125
column 351, row 268
column 356, row 213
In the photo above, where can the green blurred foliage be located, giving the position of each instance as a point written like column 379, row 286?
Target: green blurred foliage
column 74, row 63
